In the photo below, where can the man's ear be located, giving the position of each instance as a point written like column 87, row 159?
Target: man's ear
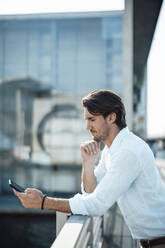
column 111, row 118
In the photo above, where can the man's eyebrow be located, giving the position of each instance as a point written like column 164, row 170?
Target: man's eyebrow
column 89, row 118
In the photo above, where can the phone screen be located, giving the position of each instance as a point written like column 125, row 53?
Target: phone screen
column 15, row 186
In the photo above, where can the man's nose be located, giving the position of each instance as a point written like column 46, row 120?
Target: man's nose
column 88, row 126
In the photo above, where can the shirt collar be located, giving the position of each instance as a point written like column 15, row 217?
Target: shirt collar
column 118, row 139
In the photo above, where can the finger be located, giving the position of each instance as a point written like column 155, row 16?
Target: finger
column 92, row 148
column 22, row 196
column 15, row 192
column 85, row 148
column 96, row 146
column 19, row 195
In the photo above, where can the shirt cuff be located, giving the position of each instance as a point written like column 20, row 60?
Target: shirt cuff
column 77, row 206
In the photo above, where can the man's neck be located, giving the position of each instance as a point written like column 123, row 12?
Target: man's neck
column 112, row 135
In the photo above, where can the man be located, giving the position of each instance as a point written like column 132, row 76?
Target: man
column 126, row 174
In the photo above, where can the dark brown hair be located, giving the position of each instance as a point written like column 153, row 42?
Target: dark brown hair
column 105, row 102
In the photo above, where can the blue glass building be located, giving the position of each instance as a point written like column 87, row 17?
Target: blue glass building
column 75, row 54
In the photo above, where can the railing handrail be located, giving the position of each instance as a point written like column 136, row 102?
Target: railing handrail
column 78, row 231
column 70, row 234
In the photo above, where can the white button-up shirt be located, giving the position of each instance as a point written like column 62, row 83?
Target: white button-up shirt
column 127, row 174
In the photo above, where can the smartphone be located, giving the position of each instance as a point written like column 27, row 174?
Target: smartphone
column 16, row 186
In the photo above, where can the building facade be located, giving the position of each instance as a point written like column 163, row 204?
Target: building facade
column 74, row 54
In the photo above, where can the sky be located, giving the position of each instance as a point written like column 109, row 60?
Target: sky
column 156, row 80
column 48, row 6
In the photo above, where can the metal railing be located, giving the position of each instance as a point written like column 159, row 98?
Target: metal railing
column 78, row 231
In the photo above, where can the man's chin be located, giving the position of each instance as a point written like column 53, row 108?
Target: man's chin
column 97, row 139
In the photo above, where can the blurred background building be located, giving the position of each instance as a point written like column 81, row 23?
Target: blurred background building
column 47, row 63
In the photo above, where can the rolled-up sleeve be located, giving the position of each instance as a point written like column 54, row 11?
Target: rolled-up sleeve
column 123, row 170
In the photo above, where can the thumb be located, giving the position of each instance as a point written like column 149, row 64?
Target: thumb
column 28, row 191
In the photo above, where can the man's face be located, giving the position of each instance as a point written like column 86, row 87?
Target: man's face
column 97, row 125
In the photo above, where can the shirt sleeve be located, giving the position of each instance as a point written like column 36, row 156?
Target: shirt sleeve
column 124, row 169
column 99, row 172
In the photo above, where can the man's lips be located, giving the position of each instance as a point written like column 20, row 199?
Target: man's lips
column 92, row 131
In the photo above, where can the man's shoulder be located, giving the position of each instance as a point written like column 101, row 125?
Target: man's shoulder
column 132, row 142
column 135, row 145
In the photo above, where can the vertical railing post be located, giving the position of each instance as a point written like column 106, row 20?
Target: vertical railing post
column 105, row 220
column 61, row 219
column 90, row 229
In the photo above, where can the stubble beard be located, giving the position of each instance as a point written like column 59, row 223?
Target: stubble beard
column 97, row 139
column 103, row 136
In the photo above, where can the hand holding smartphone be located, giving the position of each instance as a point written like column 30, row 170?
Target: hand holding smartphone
column 16, row 186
